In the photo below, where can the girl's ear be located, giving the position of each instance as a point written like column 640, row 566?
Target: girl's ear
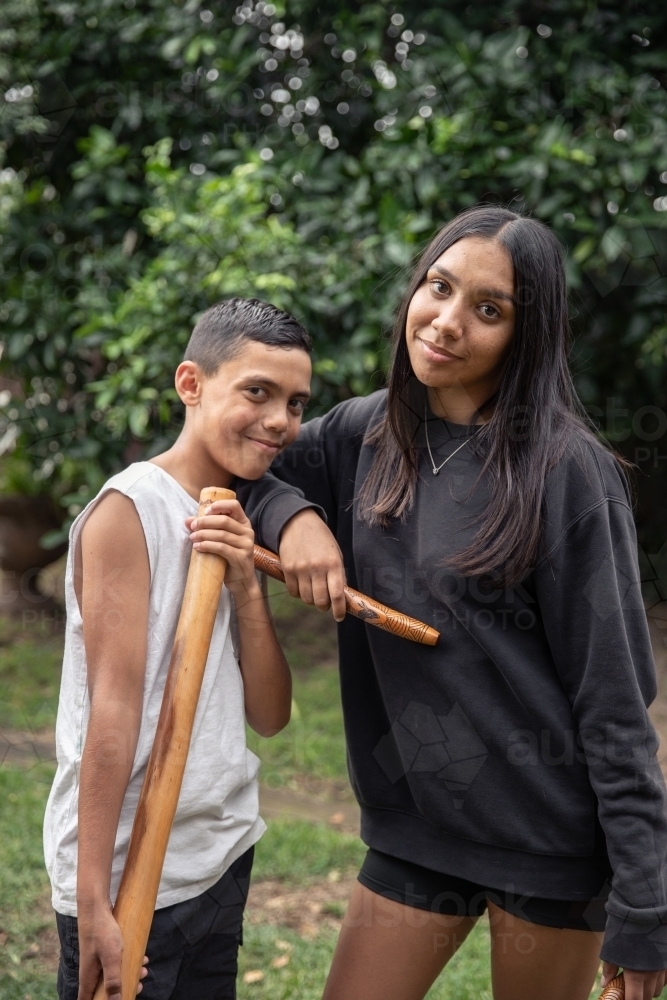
column 188, row 382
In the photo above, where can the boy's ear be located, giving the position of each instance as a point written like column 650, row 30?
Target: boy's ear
column 188, row 382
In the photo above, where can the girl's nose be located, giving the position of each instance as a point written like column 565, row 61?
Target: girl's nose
column 449, row 320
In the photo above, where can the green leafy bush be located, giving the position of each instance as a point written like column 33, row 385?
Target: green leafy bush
column 161, row 155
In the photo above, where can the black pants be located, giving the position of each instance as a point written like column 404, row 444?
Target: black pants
column 192, row 947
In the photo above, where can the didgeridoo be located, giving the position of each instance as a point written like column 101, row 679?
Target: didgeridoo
column 370, row 611
column 139, row 885
column 615, row 990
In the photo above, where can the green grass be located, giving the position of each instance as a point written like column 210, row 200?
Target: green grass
column 467, row 975
column 30, row 664
column 30, row 661
column 465, row 978
column 35, row 985
column 312, row 745
column 308, row 636
column 302, row 979
column 297, row 852
column 23, row 880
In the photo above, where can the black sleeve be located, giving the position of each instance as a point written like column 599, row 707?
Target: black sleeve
column 317, row 470
column 589, row 594
column 269, row 504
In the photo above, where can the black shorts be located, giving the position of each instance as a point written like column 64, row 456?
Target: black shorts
column 192, row 947
column 424, row 889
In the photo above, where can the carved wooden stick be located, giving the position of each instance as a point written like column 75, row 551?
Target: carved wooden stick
column 370, row 611
column 139, row 885
column 615, row 990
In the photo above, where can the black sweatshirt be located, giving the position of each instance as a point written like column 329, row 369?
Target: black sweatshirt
column 518, row 752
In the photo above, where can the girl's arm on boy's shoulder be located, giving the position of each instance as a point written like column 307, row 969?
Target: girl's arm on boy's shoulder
column 298, row 480
column 319, row 465
column 112, row 580
column 226, row 531
column 294, row 507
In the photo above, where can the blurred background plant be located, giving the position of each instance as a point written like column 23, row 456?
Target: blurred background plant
column 156, row 156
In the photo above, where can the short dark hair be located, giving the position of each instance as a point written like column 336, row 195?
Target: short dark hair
column 217, row 336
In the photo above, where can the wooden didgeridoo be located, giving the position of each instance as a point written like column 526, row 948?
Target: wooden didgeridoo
column 615, row 990
column 140, row 882
column 370, row 611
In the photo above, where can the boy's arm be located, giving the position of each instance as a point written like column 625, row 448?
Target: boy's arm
column 112, row 580
column 267, row 682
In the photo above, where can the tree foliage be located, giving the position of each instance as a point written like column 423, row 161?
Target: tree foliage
column 160, row 155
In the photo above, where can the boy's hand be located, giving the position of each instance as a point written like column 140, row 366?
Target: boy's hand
column 312, row 563
column 100, row 951
column 226, row 531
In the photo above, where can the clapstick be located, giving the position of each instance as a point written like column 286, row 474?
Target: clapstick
column 370, row 611
column 615, row 990
column 140, row 882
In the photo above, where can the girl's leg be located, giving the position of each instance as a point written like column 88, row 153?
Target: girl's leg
column 541, row 963
column 389, row 951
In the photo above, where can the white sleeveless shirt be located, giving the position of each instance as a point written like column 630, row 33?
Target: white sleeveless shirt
column 217, row 818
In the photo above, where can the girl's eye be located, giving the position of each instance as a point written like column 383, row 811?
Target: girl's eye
column 489, row 311
column 439, row 286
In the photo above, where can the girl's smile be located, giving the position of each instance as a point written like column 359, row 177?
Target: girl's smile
column 438, row 355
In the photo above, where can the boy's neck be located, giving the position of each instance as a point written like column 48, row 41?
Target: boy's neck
column 190, row 464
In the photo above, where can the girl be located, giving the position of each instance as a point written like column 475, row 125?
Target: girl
column 513, row 766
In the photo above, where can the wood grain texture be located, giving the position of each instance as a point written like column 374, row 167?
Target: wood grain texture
column 370, row 611
column 140, row 882
column 615, row 990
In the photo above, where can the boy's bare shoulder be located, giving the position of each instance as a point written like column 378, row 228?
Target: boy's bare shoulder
column 111, row 567
column 113, row 528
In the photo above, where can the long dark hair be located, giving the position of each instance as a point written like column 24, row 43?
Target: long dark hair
column 534, row 413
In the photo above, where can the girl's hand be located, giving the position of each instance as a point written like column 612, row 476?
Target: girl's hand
column 226, row 531
column 312, row 563
column 638, row 985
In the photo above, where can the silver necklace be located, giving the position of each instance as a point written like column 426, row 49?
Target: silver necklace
column 437, row 468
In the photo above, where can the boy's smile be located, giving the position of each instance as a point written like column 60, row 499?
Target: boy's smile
column 270, row 447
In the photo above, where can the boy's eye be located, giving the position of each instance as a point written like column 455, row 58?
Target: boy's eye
column 298, row 404
column 257, row 391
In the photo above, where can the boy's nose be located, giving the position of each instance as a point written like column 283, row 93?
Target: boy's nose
column 276, row 419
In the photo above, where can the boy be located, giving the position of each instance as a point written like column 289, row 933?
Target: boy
column 244, row 383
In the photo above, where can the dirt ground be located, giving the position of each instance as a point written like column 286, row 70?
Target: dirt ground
column 304, row 910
